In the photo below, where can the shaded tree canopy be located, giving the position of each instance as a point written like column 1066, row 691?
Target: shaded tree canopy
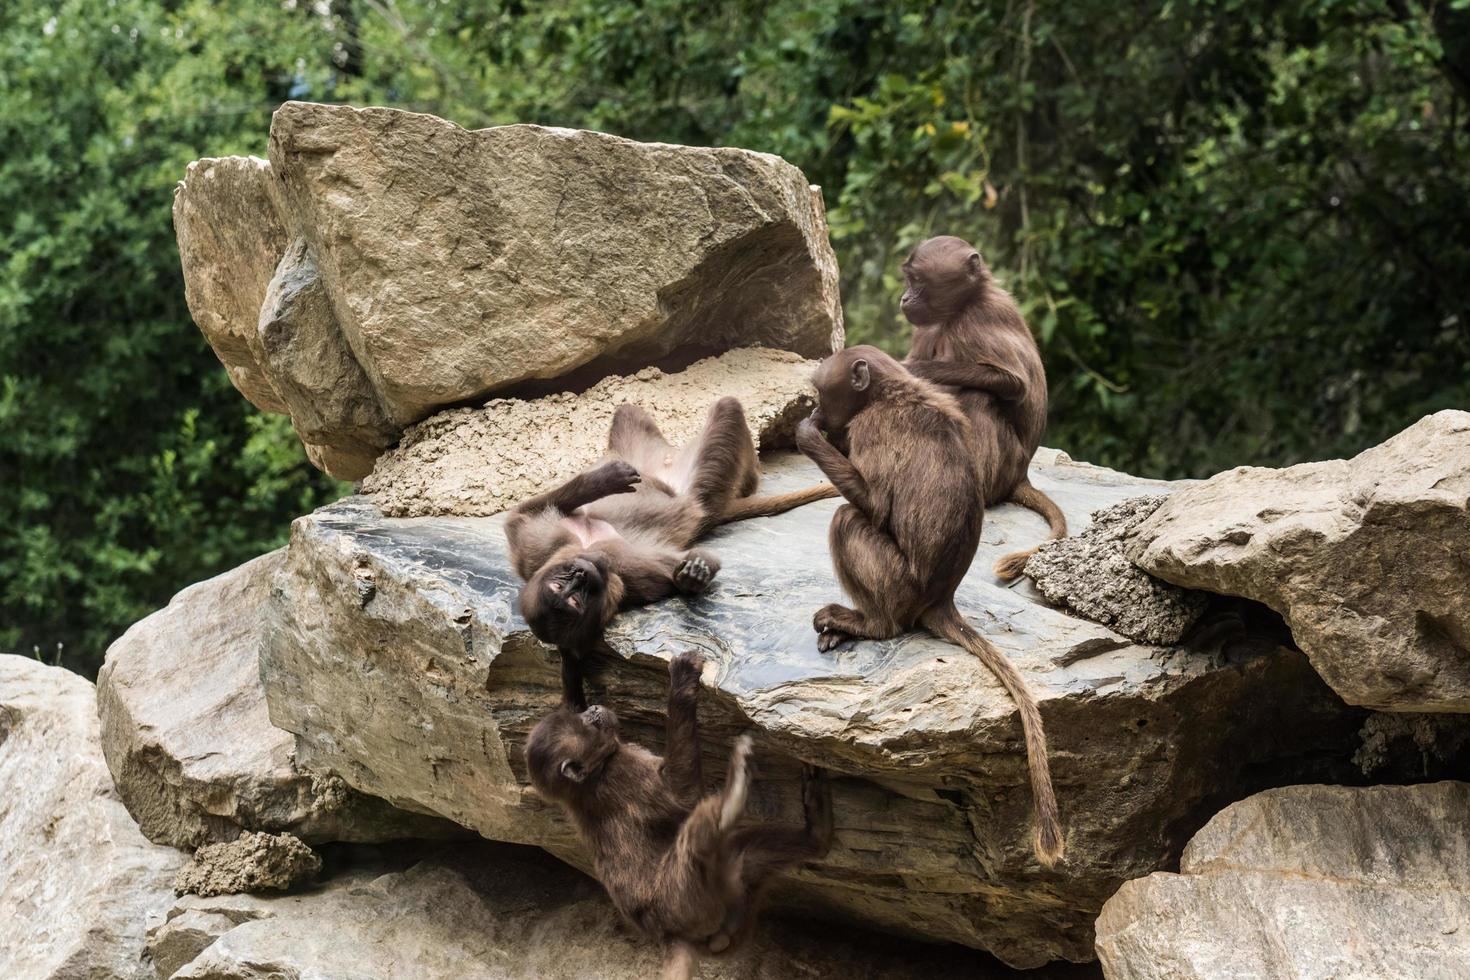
column 1238, row 227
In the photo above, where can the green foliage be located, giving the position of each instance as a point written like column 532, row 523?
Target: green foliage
column 1237, row 226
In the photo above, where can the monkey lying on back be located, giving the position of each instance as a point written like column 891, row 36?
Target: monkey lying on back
column 621, row 533
column 673, row 863
column 970, row 335
column 911, row 524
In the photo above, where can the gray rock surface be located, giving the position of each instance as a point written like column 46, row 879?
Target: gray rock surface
column 387, row 264
column 394, row 650
column 1365, row 558
column 1089, row 574
column 253, row 863
column 78, row 882
column 187, row 736
column 1307, row 882
column 476, row 462
column 498, row 912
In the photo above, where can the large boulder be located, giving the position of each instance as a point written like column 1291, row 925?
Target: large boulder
column 80, row 885
column 476, row 462
column 395, row 652
column 1365, row 558
column 387, row 264
column 1306, row 881
column 492, row 912
column 186, row 733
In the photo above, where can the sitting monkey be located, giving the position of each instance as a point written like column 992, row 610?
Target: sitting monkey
column 672, row 860
column 621, row 534
column 914, row 482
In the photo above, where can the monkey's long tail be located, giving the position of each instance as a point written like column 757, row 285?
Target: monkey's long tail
column 777, row 503
column 948, row 623
column 1012, row 565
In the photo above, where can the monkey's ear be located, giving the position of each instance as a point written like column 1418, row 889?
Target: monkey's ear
column 973, row 262
column 860, row 377
column 572, row 770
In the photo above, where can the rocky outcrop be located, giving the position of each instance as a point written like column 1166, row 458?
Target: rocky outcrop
column 1306, row 881
column 253, row 863
column 394, row 651
column 79, row 882
column 1365, row 558
column 477, row 462
column 387, row 264
column 187, row 736
column 1089, row 574
column 491, row 912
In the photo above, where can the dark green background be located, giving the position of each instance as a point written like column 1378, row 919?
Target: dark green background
column 1239, row 228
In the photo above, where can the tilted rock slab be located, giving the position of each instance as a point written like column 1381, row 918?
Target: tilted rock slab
column 394, row 651
column 1365, row 558
column 187, row 736
column 1306, row 881
column 491, row 912
column 481, row 461
column 386, row 264
column 79, row 885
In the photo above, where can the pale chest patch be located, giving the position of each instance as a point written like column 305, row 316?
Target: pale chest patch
column 589, row 529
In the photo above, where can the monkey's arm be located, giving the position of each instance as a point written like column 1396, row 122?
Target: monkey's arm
column 681, row 751
column 837, row 467
column 981, row 376
column 533, row 527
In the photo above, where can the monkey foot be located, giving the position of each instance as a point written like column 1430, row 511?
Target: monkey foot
column 830, row 640
column 694, row 574
column 616, row 476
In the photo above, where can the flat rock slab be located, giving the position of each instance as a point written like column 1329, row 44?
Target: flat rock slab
column 476, row 462
column 79, row 885
column 187, row 736
column 1308, row 882
column 1365, row 558
column 394, row 651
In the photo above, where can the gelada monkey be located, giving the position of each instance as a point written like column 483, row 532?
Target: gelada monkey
column 672, row 860
column 911, row 524
column 969, row 335
column 622, row 533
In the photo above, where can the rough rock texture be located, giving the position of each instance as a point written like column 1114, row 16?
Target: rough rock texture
column 1365, row 558
column 499, row 912
column 78, row 882
column 478, row 462
column 1089, row 574
column 394, row 650
column 230, row 239
column 253, row 863
column 414, row 265
column 189, row 741
column 1307, row 881
column 1426, row 746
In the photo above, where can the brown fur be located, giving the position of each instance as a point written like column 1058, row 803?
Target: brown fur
column 622, row 533
column 672, row 860
column 905, row 538
column 969, row 336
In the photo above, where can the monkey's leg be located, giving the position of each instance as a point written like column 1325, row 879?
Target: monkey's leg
column 721, row 464
column 870, row 567
column 634, row 436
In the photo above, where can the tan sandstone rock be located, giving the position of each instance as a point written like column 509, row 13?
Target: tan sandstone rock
column 79, row 885
column 395, row 651
column 1365, row 558
column 478, row 462
column 1307, row 882
column 253, row 863
column 186, row 733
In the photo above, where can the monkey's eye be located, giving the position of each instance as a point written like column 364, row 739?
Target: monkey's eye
column 575, row 603
column 556, row 586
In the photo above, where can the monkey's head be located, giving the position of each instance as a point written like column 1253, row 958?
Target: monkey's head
column 941, row 277
column 845, row 382
column 565, row 603
column 567, row 750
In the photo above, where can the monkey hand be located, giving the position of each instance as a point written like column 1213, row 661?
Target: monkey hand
column 809, row 433
column 617, row 476
column 685, row 668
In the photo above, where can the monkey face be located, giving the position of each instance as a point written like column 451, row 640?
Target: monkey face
column 940, row 278
column 567, row 750
column 563, row 603
column 843, row 383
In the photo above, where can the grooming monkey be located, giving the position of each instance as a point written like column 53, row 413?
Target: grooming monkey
column 672, row 860
column 970, row 335
column 622, row 533
column 914, row 482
